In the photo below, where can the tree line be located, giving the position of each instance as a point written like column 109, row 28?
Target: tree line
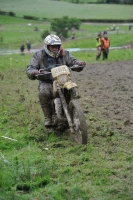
column 100, row 1
column 62, row 26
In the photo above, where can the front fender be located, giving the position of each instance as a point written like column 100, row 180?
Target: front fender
column 68, row 85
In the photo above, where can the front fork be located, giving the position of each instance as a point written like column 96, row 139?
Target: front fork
column 65, row 108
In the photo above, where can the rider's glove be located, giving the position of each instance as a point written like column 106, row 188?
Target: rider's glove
column 81, row 63
column 35, row 72
column 81, row 66
column 62, row 52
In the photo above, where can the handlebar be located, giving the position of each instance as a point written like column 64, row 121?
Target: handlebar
column 45, row 73
column 41, row 71
column 77, row 66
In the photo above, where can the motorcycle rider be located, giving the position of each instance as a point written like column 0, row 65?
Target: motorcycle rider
column 51, row 55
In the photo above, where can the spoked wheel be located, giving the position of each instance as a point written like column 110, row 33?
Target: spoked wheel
column 79, row 122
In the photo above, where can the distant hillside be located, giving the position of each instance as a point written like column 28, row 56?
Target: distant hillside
column 50, row 9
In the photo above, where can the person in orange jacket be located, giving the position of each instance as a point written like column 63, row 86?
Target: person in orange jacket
column 105, row 44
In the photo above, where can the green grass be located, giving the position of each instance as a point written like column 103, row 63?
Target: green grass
column 116, row 40
column 55, row 9
column 41, row 165
column 16, row 32
column 114, row 55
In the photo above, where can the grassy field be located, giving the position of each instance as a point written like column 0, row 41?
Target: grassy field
column 55, row 9
column 38, row 165
column 41, row 166
column 15, row 32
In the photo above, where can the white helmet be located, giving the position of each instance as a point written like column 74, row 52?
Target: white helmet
column 52, row 40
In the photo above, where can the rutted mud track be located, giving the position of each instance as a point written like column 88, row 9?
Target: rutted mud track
column 106, row 89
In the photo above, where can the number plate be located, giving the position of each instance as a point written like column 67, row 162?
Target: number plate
column 58, row 71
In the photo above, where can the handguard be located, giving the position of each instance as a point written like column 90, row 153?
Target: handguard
column 77, row 68
column 44, row 76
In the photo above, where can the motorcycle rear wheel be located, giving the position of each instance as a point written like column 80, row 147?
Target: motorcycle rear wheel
column 79, row 122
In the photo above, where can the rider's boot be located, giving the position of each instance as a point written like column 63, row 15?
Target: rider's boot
column 48, row 116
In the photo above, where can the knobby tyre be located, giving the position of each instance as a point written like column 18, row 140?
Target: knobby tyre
column 79, row 122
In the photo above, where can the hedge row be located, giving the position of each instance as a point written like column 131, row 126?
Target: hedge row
column 30, row 17
column 10, row 13
column 108, row 20
column 82, row 20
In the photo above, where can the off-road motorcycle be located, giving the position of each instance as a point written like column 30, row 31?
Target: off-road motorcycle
column 72, row 112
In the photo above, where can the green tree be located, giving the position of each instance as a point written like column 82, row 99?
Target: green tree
column 45, row 33
column 62, row 25
column 112, row 1
column 128, row 1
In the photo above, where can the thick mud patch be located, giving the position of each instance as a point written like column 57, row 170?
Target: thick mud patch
column 106, row 89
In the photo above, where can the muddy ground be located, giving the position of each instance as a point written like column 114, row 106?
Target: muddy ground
column 106, row 91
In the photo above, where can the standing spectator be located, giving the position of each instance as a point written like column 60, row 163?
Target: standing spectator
column 129, row 27
column 28, row 46
column 22, row 48
column 1, row 39
column 113, row 27
column 105, row 44
column 35, row 29
column 105, row 32
column 117, row 30
column 98, row 46
column 73, row 36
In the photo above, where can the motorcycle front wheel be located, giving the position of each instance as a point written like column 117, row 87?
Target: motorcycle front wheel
column 79, row 122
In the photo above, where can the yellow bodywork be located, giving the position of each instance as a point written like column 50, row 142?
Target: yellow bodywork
column 68, row 85
column 58, row 71
column 62, row 79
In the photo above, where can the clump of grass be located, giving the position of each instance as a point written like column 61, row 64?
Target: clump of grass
column 24, row 173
